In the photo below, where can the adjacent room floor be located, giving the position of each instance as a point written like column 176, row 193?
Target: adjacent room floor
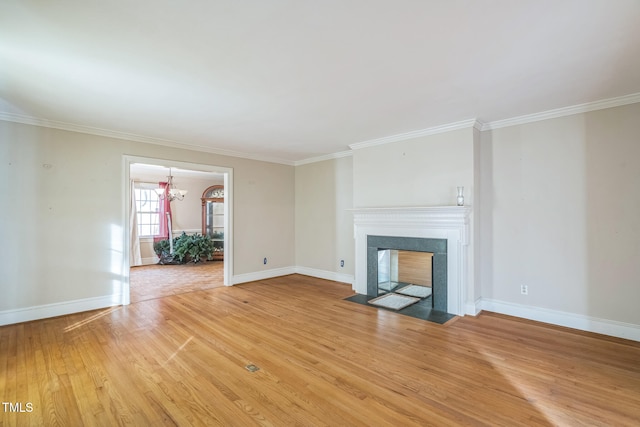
column 156, row 281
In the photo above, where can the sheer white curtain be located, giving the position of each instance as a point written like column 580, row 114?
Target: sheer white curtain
column 134, row 252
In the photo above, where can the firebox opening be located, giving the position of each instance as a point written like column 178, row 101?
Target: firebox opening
column 409, row 252
column 398, row 269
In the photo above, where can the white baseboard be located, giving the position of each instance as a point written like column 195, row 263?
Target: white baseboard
column 268, row 274
column 150, row 260
column 28, row 314
column 585, row 323
column 327, row 275
column 613, row 328
column 262, row 275
column 473, row 309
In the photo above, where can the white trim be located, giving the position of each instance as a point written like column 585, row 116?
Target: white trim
column 325, row 274
column 150, row 260
column 475, row 123
column 330, row 156
column 576, row 321
column 529, row 118
column 471, row 123
column 473, row 308
column 227, row 244
column 564, row 111
column 262, row 275
column 285, row 271
column 561, row 318
column 228, row 209
column 27, row 314
column 72, row 127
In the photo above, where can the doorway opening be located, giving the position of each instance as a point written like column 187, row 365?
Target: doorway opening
column 184, row 216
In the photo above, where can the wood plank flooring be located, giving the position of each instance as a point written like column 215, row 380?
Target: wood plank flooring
column 180, row 360
column 156, row 281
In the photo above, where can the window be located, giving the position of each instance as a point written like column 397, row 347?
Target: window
column 148, row 207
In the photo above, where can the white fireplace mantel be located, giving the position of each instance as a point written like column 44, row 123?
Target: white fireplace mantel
column 438, row 222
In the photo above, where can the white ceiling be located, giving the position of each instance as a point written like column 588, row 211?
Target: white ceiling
column 289, row 80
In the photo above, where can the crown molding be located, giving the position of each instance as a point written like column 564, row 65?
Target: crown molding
column 53, row 124
column 564, row 111
column 330, row 156
column 471, row 123
column 415, row 134
column 484, row 126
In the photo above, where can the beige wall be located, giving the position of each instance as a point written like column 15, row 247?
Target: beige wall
column 557, row 209
column 560, row 214
column 62, row 231
column 418, row 172
column 324, row 224
column 187, row 213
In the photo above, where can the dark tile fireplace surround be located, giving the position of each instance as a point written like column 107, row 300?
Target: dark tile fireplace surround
column 438, row 247
column 433, row 308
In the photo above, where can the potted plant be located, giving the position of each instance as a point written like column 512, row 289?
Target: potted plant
column 186, row 248
column 162, row 248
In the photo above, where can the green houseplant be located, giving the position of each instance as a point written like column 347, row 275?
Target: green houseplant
column 186, row 248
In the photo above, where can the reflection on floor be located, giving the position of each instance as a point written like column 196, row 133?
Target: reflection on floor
column 156, row 281
column 420, row 310
column 385, row 287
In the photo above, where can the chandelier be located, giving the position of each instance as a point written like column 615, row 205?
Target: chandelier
column 170, row 191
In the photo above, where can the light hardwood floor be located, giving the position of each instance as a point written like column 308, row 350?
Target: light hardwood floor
column 180, row 360
column 156, row 281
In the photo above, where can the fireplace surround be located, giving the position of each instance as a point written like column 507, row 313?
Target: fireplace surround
column 438, row 247
column 449, row 225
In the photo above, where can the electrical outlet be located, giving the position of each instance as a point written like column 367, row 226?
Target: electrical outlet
column 524, row 289
column 265, row 261
column 341, row 263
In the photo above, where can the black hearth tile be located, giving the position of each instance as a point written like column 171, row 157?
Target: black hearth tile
column 420, row 310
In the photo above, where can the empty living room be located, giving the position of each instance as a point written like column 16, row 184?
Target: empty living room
column 338, row 213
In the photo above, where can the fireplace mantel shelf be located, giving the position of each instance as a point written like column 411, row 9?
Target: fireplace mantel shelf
column 418, row 216
column 410, row 209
